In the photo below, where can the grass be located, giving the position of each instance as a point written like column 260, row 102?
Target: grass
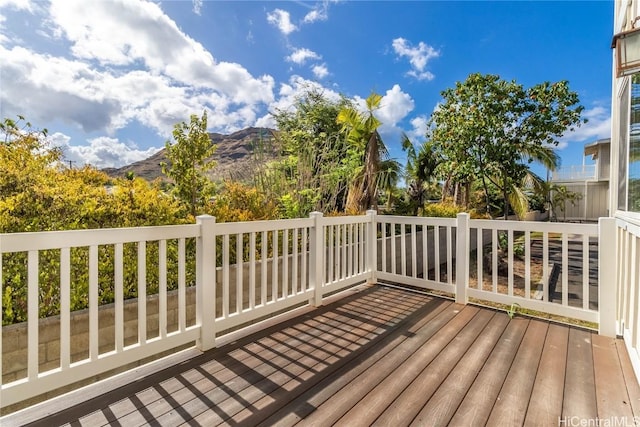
column 535, row 314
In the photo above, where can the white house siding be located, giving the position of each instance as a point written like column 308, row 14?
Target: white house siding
column 592, row 205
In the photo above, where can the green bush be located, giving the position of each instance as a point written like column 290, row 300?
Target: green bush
column 448, row 210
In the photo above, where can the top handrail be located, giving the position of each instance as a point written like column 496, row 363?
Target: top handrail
column 45, row 240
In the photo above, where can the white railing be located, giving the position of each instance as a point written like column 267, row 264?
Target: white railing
column 575, row 173
column 407, row 244
column 95, row 362
column 566, row 257
column 558, row 264
column 627, row 277
column 243, row 272
column 200, row 282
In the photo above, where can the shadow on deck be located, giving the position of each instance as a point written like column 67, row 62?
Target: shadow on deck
column 384, row 356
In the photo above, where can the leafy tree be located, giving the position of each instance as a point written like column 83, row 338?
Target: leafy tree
column 420, row 172
column 189, row 161
column 367, row 147
column 312, row 170
column 25, row 155
column 490, row 129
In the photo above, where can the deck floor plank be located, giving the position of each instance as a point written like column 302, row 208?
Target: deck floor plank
column 579, row 390
column 385, row 356
column 307, row 402
column 479, row 400
column 442, row 406
column 632, row 386
column 511, row 406
column 410, row 401
column 612, row 400
column 267, row 377
column 339, row 403
column 545, row 406
column 397, row 380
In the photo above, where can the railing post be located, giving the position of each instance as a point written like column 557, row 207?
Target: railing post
column 607, row 295
column 206, row 282
column 316, row 257
column 462, row 258
column 371, row 246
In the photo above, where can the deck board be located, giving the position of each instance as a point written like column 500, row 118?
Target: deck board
column 608, row 375
column 410, row 401
column 476, row 407
column 632, row 386
column 383, row 356
column 300, row 356
column 398, row 380
column 388, row 351
column 545, row 406
column 511, row 406
column 348, row 396
column 442, row 406
column 580, row 391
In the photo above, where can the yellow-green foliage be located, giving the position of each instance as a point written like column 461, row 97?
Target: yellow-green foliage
column 37, row 193
column 441, row 210
column 65, row 199
column 238, row 202
column 448, row 210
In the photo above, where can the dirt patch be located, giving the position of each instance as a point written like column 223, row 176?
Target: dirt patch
column 519, row 271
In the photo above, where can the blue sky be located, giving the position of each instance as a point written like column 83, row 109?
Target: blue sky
column 109, row 79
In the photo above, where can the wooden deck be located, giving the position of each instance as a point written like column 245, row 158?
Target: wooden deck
column 389, row 357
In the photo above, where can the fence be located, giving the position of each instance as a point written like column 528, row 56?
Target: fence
column 627, row 276
column 575, row 173
column 477, row 259
column 243, row 272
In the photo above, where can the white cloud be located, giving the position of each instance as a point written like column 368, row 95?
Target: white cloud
column 315, row 15
column 395, row 106
column 102, row 152
column 287, row 95
column 301, row 55
column 126, row 33
column 320, row 71
column 425, row 75
column 57, row 88
column 419, row 57
column 597, row 127
column 418, row 128
column 319, row 13
column 197, row 6
column 130, row 63
column 27, row 5
column 282, row 20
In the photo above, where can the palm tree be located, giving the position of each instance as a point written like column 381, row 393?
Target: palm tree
column 388, row 178
column 361, row 131
column 420, row 171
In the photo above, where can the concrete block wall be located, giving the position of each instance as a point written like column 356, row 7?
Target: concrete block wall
column 14, row 337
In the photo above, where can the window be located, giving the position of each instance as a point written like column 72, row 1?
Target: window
column 622, row 148
column 634, row 146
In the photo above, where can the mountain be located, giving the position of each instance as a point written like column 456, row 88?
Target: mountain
column 237, row 156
